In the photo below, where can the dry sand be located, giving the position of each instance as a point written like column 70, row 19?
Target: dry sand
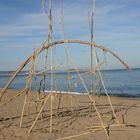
column 74, row 116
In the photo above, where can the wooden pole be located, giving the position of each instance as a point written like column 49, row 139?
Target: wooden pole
column 39, row 113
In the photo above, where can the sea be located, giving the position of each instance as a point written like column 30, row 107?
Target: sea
column 118, row 82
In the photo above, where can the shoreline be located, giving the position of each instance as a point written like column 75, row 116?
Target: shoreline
column 126, row 95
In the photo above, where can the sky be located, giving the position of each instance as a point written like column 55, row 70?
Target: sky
column 23, row 28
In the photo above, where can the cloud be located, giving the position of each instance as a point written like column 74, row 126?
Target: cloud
column 24, row 26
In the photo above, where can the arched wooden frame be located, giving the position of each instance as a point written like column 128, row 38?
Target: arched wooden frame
column 46, row 46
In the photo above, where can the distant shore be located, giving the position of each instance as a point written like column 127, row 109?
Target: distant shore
column 118, row 82
column 70, row 119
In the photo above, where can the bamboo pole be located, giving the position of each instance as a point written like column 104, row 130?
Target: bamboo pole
column 90, row 97
column 28, row 87
column 51, row 109
column 102, row 81
column 14, row 97
column 66, row 52
column 22, row 114
column 46, row 46
column 39, row 113
column 81, row 134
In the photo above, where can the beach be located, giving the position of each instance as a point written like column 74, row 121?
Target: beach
column 69, row 72
column 74, row 117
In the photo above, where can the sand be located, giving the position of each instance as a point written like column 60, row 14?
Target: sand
column 74, row 116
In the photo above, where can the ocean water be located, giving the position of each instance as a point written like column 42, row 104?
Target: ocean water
column 118, row 82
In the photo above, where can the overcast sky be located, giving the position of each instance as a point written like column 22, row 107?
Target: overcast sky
column 23, row 27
